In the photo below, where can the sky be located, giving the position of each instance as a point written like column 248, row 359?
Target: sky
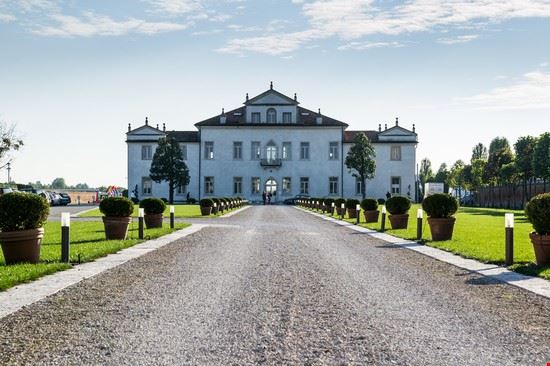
column 73, row 74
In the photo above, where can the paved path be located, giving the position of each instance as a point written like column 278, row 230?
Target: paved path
column 277, row 286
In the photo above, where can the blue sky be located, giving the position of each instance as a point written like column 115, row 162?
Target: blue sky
column 73, row 74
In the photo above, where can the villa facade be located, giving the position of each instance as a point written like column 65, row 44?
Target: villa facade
column 273, row 144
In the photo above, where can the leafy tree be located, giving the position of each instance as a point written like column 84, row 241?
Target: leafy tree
column 360, row 159
column 524, row 149
column 81, row 186
column 168, row 165
column 59, row 183
column 474, row 178
column 541, row 158
column 425, row 174
column 8, row 140
column 456, row 176
column 442, row 176
column 500, row 154
column 508, row 173
column 479, row 152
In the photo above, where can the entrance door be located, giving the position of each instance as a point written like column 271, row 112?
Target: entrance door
column 271, row 187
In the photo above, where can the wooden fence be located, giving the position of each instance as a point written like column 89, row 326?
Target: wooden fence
column 512, row 196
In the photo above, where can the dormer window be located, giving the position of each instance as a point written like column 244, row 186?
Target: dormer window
column 271, row 115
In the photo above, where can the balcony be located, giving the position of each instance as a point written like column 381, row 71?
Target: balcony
column 270, row 163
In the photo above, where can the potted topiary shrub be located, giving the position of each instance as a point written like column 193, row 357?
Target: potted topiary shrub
column 370, row 209
column 338, row 206
column 217, row 207
column 206, row 205
column 440, row 208
column 21, row 218
column 398, row 207
column 118, row 215
column 351, row 206
column 328, row 204
column 538, row 214
column 154, row 209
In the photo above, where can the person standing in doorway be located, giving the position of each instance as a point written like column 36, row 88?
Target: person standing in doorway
column 264, row 197
column 269, row 198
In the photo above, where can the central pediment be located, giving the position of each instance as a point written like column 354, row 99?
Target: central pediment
column 271, row 97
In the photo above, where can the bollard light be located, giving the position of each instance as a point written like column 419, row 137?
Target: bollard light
column 357, row 213
column 65, row 236
column 420, row 214
column 383, row 223
column 509, row 232
column 419, row 217
column 172, row 215
column 141, row 213
column 342, row 212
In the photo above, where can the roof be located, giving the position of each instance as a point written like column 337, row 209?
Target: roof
column 185, row 136
column 350, row 135
column 305, row 117
column 271, row 91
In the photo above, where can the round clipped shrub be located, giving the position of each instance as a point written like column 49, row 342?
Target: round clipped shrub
column 329, row 202
column 381, row 201
column 22, row 211
column 216, row 200
column 206, row 202
column 369, row 204
column 352, row 203
column 398, row 205
column 338, row 202
column 116, row 207
column 153, row 206
column 538, row 213
column 440, row 205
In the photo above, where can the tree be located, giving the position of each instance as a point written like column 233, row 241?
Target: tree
column 479, row 152
column 425, row 174
column 360, row 159
column 81, row 186
column 59, row 183
column 8, row 140
column 168, row 165
column 500, row 154
column 456, row 177
column 524, row 149
column 442, row 176
column 541, row 158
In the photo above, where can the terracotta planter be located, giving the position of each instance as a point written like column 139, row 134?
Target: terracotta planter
column 330, row 210
column 205, row 211
column 339, row 211
column 399, row 221
column 116, row 228
column 153, row 220
column 352, row 213
column 442, row 229
column 371, row 216
column 21, row 246
column 215, row 210
column 541, row 245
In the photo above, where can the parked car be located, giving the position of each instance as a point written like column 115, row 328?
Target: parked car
column 56, row 198
column 5, row 191
column 292, row 201
column 65, row 199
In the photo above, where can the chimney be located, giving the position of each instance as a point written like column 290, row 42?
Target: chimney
column 379, row 127
column 319, row 118
column 129, row 127
column 164, row 127
column 396, row 121
column 223, row 118
column 146, row 121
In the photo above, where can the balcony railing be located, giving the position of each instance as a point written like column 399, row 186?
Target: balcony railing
column 270, row 162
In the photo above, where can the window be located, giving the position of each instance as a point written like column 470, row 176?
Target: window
column 396, row 153
column 237, row 150
column 396, row 185
column 256, row 150
column 255, row 185
column 304, row 185
column 271, row 115
column 358, row 186
column 304, row 150
column 183, row 148
column 287, row 185
column 237, row 185
column 209, row 150
column 333, row 185
column 146, row 152
column 147, row 185
column 287, row 151
column 256, row 116
column 333, row 151
column 209, row 185
column 271, row 152
column 287, row 117
column 181, row 190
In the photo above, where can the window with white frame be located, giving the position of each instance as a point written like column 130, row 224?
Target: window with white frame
column 286, row 153
column 256, row 150
column 396, row 153
column 237, row 150
column 287, row 117
column 209, row 185
column 304, row 150
column 183, row 149
column 146, row 152
column 147, row 186
column 333, row 185
column 396, row 185
column 287, row 185
column 255, row 188
column 358, row 186
column 256, row 117
column 304, row 185
column 333, row 151
column 271, row 151
column 209, row 150
column 271, row 115
column 237, row 185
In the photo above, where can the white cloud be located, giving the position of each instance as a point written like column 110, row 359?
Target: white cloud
column 275, row 44
column 368, row 45
column 7, row 18
column 532, row 91
column 175, row 7
column 101, row 25
column 458, row 39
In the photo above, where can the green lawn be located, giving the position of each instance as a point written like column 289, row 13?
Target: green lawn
column 181, row 211
column 478, row 234
column 87, row 243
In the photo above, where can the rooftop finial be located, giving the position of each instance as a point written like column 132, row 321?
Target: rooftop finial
column 385, row 126
column 414, row 127
column 271, row 85
column 379, row 127
column 146, row 121
column 396, row 121
column 247, row 97
column 157, row 126
column 223, row 110
column 319, row 110
column 295, row 96
column 164, row 127
column 129, row 127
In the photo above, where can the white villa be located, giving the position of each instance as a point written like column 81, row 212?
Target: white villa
column 272, row 144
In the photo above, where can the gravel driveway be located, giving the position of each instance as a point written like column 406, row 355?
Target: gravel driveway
column 277, row 286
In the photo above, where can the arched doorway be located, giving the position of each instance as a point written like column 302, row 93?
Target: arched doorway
column 271, row 187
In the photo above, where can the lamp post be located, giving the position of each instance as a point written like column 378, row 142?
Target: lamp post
column 342, row 208
column 9, row 170
column 383, row 224
column 141, row 213
column 419, row 217
column 332, row 211
column 357, row 213
column 65, row 236
column 172, row 212
column 509, row 227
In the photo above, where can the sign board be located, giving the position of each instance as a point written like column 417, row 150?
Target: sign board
column 432, row 188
